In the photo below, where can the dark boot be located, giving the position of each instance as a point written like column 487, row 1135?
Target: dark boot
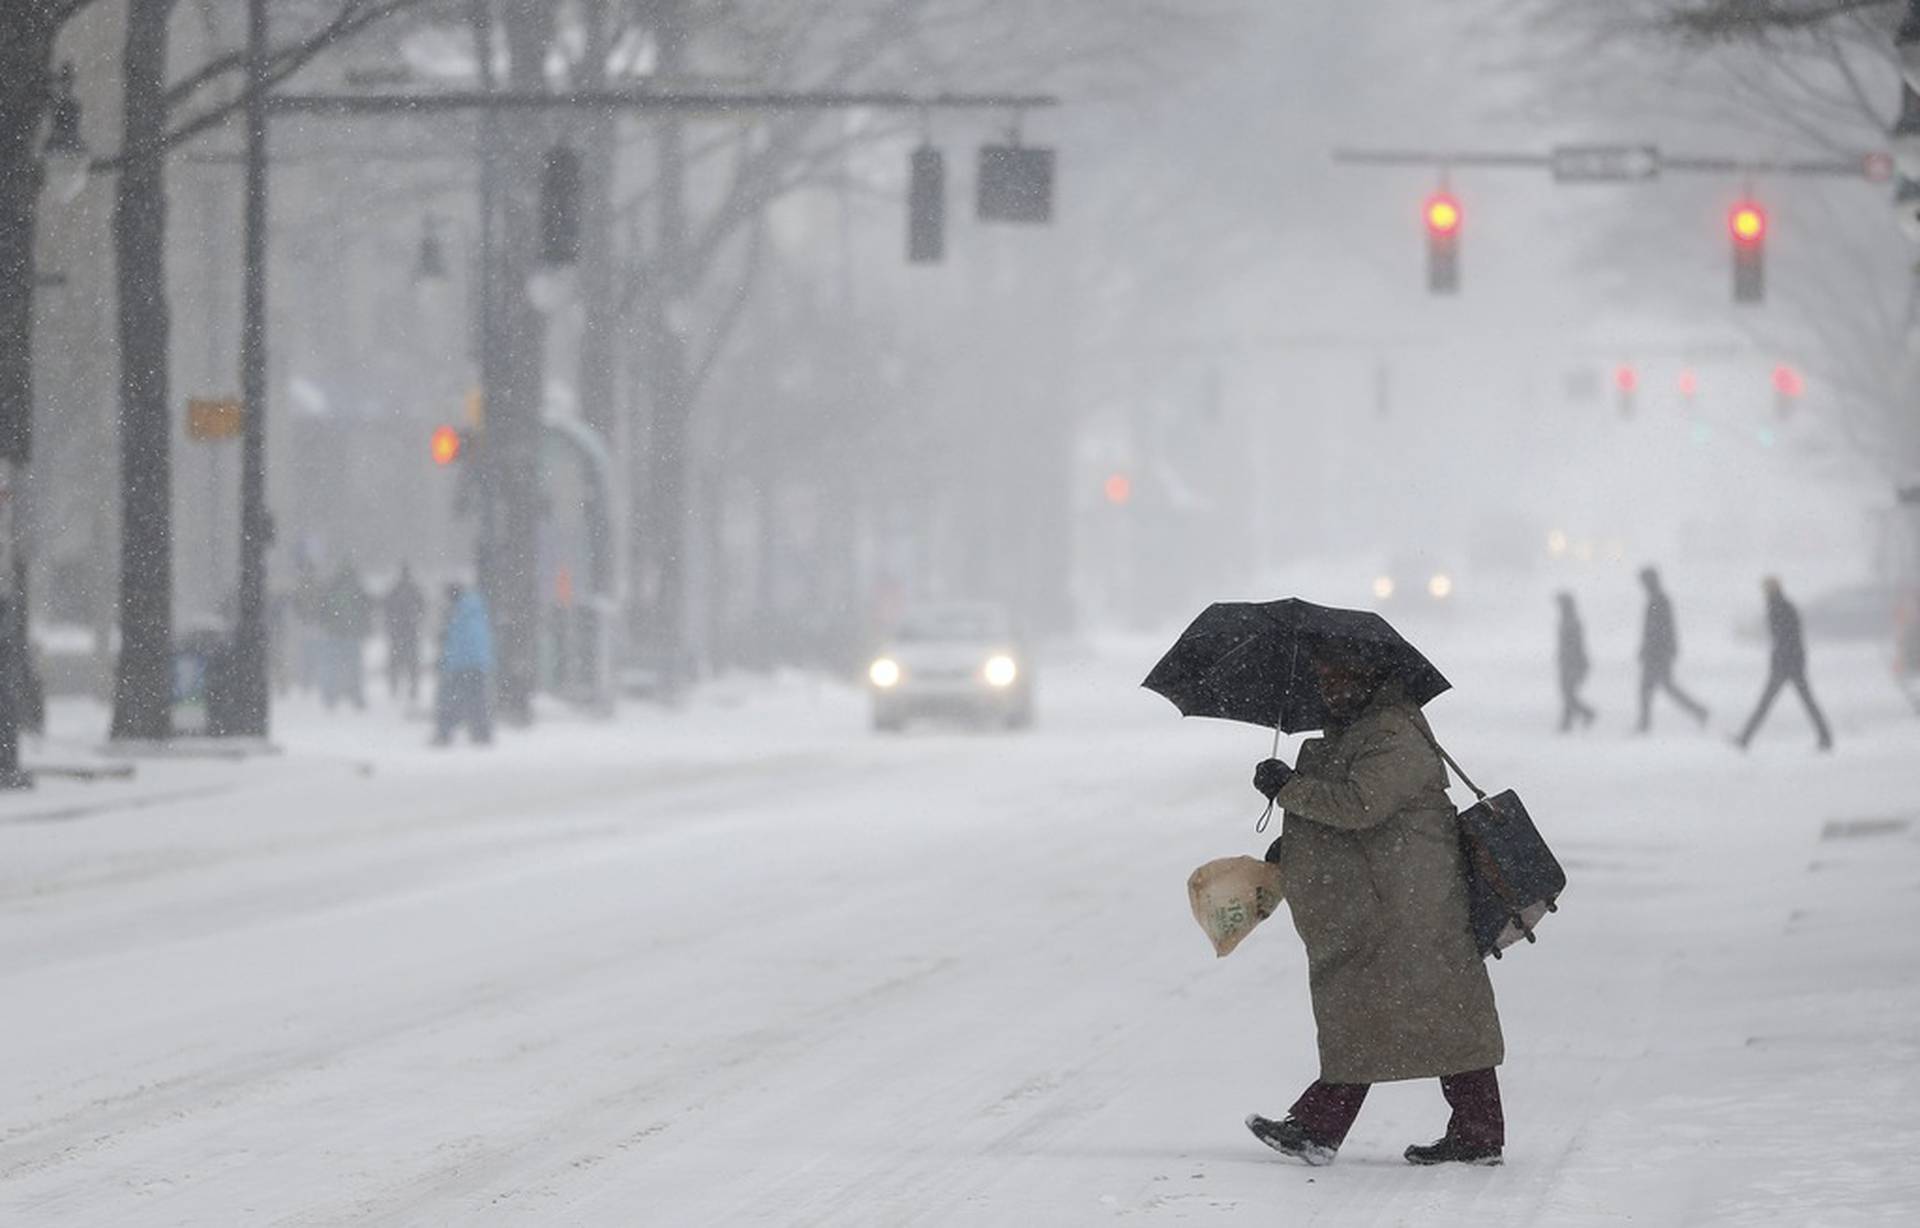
column 1451, row 1150
column 1478, row 1128
column 1293, row 1140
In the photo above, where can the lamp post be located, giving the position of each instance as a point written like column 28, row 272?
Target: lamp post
column 246, row 710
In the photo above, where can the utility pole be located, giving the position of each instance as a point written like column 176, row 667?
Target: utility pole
column 246, row 709
column 12, row 618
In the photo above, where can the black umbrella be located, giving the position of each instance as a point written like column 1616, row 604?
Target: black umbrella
column 1253, row 661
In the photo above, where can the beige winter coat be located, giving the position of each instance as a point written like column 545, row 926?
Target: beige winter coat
column 1370, row 856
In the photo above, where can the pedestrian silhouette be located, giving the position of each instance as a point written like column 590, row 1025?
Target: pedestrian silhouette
column 346, row 618
column 464, row 694
column 1788, row 665
column 1574, row 665
column 1659, row 648
column 405, row 607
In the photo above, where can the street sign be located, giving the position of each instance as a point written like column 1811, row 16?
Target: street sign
column 210, row 418
column 1604, row 163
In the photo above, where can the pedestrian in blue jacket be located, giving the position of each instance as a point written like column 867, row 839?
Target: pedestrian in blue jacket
column 465, row 695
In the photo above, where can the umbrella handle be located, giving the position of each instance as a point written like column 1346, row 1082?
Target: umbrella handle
column 1267, row 814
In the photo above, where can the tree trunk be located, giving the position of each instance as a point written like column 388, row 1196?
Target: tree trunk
column 665, row 497
column 513, row 368
column 600, row 314
column 142, row 700
column 600, row 155
column 24, row 56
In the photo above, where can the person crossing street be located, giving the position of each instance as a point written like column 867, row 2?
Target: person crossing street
column 1787, row 667
column 1659, row 649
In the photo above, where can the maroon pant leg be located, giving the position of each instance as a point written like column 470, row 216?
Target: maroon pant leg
column 1475, row 1100
column 1327, row 1110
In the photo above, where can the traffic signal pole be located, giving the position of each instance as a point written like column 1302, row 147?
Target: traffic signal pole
column 1576, row 164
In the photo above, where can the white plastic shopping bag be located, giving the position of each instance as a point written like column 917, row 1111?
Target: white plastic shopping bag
column 1232, row 895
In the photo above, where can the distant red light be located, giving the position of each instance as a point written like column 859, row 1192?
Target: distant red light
column 1626, row 378
column 1748, row 222
column 1689, row 384
column 1788, row 382
column 1118, row 489
column 1443, row 214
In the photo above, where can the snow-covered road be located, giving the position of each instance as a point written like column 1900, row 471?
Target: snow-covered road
column 753, row 965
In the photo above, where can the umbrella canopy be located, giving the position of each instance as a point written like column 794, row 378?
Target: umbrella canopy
column 1254, row 661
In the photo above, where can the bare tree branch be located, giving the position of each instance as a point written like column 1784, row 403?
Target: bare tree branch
column 352, row 17
column 1746, row 19
column 355, row 18
column 726, row 324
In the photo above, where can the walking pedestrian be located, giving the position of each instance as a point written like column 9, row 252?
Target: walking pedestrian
column 1788, row 665
column 464, row 697
column 1659, row 648
column 1574, row 665
column 404, row 607
column 1369, row 853
column 347, row 620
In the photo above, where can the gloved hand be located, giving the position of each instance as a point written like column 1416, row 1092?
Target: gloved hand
column 1270, row 776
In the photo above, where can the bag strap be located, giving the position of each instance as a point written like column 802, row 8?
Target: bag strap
column 1478, row 793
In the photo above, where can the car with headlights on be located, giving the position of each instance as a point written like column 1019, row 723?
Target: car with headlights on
column 1415, row 580
column 958, row 660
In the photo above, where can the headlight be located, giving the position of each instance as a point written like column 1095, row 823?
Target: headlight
column 884, row 673
column 1441, row 586
column 1382, row 587
column 1001, row 671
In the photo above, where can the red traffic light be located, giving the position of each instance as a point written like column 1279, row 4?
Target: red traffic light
column 1626, row 378
column 1118, row 488
column 1748, row 223
column 445, row 445
column 1442, row 214
column 1689, row 384
column 1788, row 382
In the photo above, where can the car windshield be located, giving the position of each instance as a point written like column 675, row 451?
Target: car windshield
column 952, row 622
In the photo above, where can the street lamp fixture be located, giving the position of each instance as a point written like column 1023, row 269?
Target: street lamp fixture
column 66, row 147
column 1906, row 133
column 432, row 262
column 1906, row 206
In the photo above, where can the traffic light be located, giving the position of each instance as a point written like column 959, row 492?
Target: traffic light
column 1788, row 387
column 1626, row 384
column 1442, row 215
column 1118, row 488
column 445, row 445
column 1689, row 385
column 1747, row 226
column 927, row 207
column 1015, row 184
column 560, row 207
